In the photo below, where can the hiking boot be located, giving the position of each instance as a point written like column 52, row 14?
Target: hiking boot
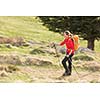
column 66, row 74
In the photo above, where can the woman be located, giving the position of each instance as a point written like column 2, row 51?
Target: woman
column 69, row 42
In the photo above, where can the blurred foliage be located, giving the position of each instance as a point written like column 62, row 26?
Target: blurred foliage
column 88, row 27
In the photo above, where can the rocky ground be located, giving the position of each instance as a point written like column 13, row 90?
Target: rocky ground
column 49, row 74
column 40, row 67
column 26, row 54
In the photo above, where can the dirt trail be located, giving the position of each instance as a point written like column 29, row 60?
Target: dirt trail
column 87, row 73
column 52, row 75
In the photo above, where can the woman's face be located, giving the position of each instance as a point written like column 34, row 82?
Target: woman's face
column 66, row 36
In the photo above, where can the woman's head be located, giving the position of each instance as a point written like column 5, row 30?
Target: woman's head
column 67, row 34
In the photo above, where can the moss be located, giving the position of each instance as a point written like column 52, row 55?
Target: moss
column 37, row 51
column 13, row 68
column 83, row 57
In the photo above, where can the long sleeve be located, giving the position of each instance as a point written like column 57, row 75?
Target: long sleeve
column 63, row 42
column 69, row 45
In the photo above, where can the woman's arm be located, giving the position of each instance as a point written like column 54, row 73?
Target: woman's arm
column 62, row 43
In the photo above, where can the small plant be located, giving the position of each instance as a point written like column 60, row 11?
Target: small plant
column 83, row 57
column 12, row 68
column 37, row 51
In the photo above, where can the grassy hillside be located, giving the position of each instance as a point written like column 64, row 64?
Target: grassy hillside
column 37, row 63
column 31, row 29
column 27, row 27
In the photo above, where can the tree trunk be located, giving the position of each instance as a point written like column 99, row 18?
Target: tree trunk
column 91, row 43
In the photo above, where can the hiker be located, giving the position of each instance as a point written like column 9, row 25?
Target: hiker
column 69, row 42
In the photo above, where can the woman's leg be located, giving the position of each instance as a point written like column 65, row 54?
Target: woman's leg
column 64, row 64
column 70, row 64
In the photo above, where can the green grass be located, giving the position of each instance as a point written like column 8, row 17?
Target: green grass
column 83, row 57
column 97, row 46
column 31, row 29
column 27, row 27
column 83, row 43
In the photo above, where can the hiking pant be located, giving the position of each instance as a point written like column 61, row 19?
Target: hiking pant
column 68, row 69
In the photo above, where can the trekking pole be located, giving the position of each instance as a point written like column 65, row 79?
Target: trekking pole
column 57, row 55
column 76, row 71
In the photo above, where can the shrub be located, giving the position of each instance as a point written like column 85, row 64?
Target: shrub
column 83, row 57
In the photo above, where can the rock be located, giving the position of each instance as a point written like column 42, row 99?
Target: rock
column 49, row 51
column 37, row 61
column 37, row 51
column 27, row 44
column 8, row 45
column 62, row 50
column 16, row 41
column 16, row 59
column 82, row 49
column 3, row 73
column 10, row 59
column 34, row 42
column 43, row 51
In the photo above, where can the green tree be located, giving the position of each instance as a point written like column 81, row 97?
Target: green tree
column 88, row 27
